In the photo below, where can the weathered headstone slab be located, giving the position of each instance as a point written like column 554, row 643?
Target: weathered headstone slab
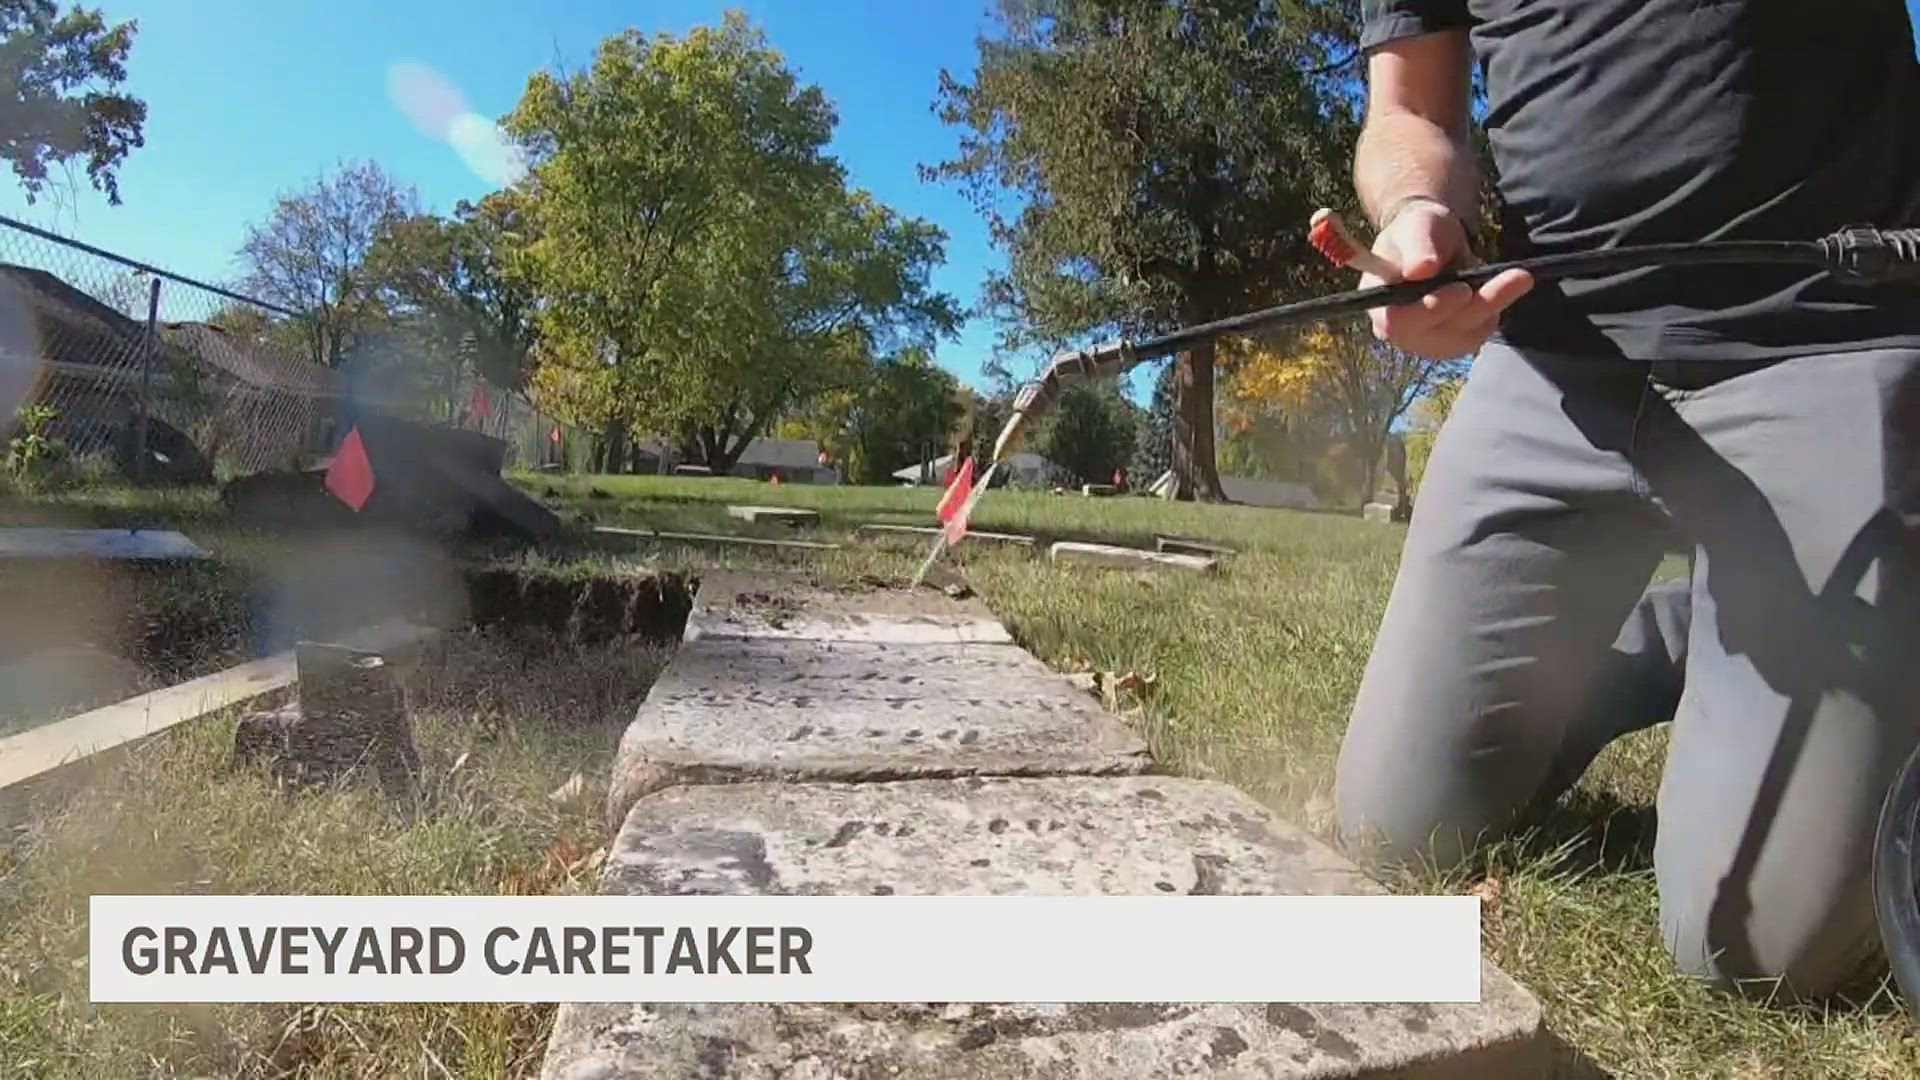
column 1107, row 555
column 782, row 515
column 131, row 544
column 1377, row 511
column 1114, row 836
column 928, row 532
column 351, row 714
column 731, row 605
column 1180, row 545
column 713, row 538
column 733, row 711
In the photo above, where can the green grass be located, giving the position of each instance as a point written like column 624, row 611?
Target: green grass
column 500, row 726
column 1254, row 672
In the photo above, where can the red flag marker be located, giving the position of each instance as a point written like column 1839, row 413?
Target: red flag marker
column 956, row 506
column 479, row 404
column 957, row 491
column 350, row 477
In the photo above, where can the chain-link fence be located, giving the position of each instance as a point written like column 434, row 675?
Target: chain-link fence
column 165, row 376
column 162, row 377
column 536, row 439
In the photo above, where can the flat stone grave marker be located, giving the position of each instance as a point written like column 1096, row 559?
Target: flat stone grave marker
column 712, row 538
column 736, row 605
column 928, row 532
column 134, row 544
column 1111, row 836
column 1108, row 555
column 1180, row 545
column 1098, row 491
column 1377, row 512
column 735, row 710
column 783, row 515
column 782, row 680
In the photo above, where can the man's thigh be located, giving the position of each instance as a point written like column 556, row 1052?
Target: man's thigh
column 1795, row 715
column 1529, row 545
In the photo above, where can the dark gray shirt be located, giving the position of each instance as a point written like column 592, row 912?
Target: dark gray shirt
column 1618, row 122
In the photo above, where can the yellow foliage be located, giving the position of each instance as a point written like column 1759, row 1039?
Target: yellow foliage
column 1290, row 378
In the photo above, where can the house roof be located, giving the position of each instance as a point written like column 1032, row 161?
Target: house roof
column 1024, row 461
column 782, row 453
column 763, row 453
column 255, row 365
column 69, row 326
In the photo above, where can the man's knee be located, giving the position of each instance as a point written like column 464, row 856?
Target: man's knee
column 1389, row 819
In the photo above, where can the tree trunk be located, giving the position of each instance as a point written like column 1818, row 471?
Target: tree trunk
column 1196, row 477
column 613, row 450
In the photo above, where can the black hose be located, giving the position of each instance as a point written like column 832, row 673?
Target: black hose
column 1896, row 882
column 1543, row 268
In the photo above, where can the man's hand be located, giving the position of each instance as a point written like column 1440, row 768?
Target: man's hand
column 1422, row 240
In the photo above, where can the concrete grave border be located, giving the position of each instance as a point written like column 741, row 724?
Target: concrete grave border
column 703, row 825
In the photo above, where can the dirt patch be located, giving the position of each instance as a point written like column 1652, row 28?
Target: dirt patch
column 583, row 609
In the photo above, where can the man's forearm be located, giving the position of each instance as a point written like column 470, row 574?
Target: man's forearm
column 1402, row 156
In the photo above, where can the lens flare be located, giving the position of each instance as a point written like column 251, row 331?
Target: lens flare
column 438, row 110
column 487, row 150
column 430, row 102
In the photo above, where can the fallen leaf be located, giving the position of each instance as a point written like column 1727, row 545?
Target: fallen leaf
column 1490, row 892
column 573, row 791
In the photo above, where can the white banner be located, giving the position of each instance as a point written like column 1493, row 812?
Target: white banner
column 959, row 949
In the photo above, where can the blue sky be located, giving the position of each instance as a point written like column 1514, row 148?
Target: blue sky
column 249, row 98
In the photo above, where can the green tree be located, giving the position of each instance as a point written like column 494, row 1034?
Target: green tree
column 460, row 275
column 1424, row 421
column 904, row 412
column 800, row 315
column 60, row 74
column 310, row 255
column 701, row 264
column 1165, row 157
column 1090, row 432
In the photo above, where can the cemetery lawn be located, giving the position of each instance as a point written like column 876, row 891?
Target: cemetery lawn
column 1252, row 672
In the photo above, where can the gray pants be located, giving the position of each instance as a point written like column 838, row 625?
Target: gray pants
column 1521, row 637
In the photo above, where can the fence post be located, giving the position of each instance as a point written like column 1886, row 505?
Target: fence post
column 149, row 349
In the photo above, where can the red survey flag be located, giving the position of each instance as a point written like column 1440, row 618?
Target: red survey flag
column 350, row 477
column 479, row 404
column 956, row 502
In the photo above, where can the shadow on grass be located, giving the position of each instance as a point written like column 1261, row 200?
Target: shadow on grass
column 1590, row 831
